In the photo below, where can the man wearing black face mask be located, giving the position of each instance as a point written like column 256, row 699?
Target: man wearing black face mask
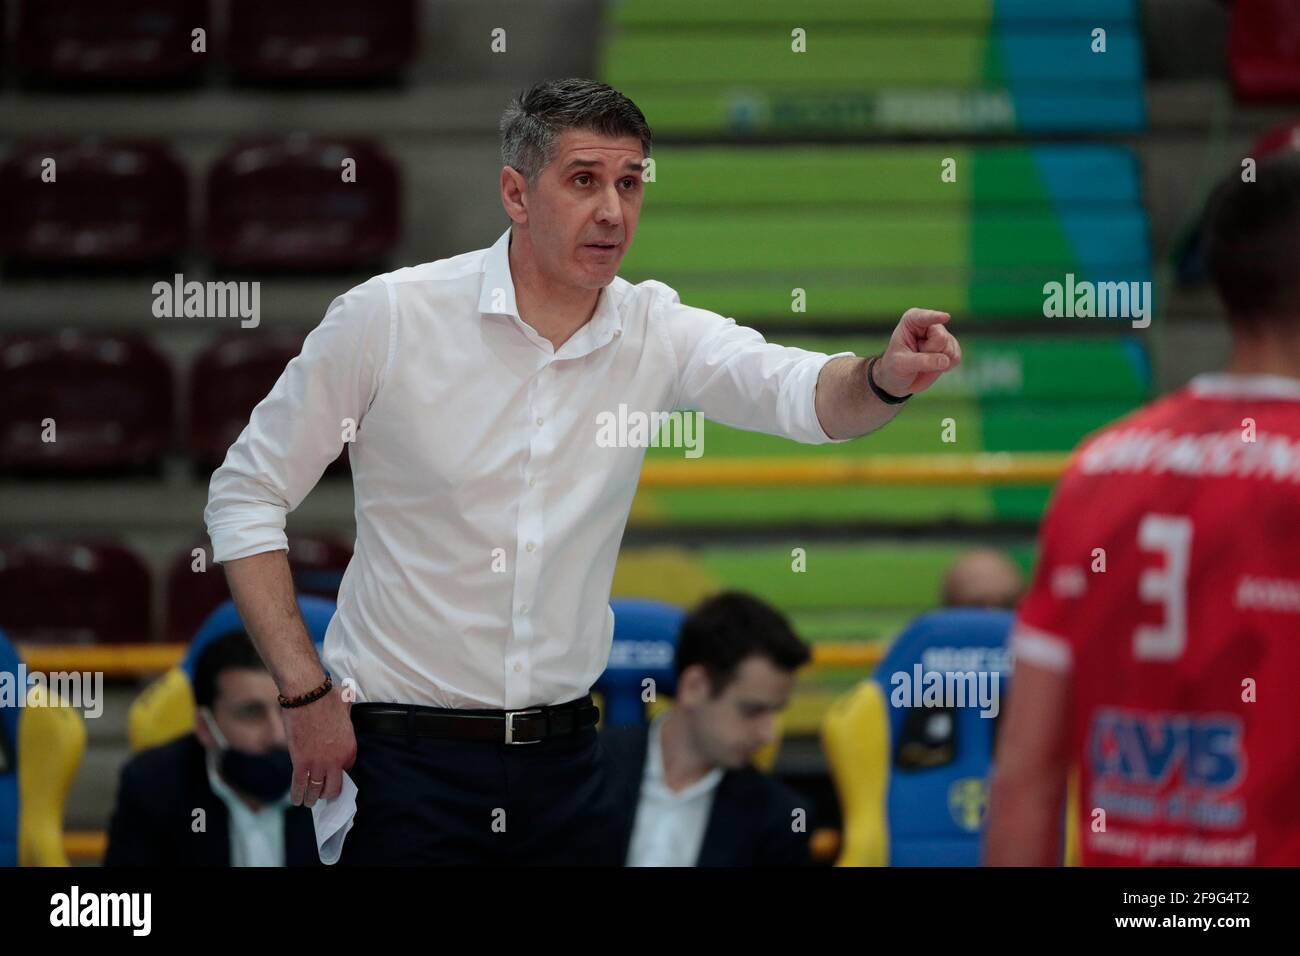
column 218, row 796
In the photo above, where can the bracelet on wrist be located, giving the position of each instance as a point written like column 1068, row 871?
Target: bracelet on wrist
column 881, row 394
column 314, row 694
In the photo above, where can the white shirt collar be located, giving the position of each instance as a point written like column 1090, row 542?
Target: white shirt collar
column 655, row 766
column 1230, row 385
column 256, row 836
column 498, row 289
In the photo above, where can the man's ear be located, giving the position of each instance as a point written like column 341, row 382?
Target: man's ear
column 514, row 195
column 201, row 728
column 693, row 685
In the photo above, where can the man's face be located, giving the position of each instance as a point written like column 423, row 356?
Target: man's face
column 730, row 728
column 583, row 210
column 247, row 711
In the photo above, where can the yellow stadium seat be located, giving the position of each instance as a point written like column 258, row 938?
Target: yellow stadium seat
column 51, row 741
column 855, row 738
column 162, row 712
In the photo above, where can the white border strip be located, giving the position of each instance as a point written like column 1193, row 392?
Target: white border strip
column 1041, row 648
column 1224, row 384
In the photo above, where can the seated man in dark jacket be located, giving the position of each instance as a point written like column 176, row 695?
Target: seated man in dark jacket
column 218, row 796
column 691, row 796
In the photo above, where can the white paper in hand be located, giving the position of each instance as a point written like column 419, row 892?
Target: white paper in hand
column 333, row 820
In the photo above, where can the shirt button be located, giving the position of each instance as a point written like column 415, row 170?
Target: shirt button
column 531, row 546
column 518, row 667
column 539, row 420
column 617, row 333
column 532, row 482
column 523, row 609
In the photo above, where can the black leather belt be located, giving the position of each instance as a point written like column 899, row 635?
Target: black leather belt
column 529, row 726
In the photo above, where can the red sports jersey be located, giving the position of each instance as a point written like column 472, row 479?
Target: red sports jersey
column 1168, row 586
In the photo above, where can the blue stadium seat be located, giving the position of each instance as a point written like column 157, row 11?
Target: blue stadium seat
column 9, row 661
column 645, row 644
column 316, row 614
column 913, row 781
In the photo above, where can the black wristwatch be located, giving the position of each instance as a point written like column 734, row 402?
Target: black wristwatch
column 881, row 394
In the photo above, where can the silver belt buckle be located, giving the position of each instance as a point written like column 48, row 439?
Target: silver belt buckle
column 510, row 726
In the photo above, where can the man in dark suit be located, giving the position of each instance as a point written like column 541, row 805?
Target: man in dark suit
column 218, row 796
column 689, row 794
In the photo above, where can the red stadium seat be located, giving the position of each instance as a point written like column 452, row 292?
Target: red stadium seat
column 227, row 380
column 134, row 41
column 73, row 593
column 110, row 398
column 284, row 204
column 118, row 203
column 1264, row 48
column 317, row 564
column 320, row 40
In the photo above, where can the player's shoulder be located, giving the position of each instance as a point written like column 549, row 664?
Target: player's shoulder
column 1158, row 413
column 1173, row 411
column 1208, row 409
column 657, row 309
column 462, row 266
column 453, row 279
column 1099, row 447
column 1273, row 401
column 1196, row 432
column 677, row 321
column 649, row 295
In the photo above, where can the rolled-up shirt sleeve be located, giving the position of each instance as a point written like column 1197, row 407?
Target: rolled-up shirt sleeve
column 298, row 428
column 736, row 377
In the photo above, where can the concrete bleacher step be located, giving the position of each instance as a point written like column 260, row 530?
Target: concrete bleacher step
column 96, row 507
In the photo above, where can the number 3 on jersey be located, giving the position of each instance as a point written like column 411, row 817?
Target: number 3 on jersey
column 1172, row 537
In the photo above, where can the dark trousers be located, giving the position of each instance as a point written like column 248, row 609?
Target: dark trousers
column 424, row 801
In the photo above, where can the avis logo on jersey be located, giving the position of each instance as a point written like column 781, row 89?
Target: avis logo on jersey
column 1179, row 767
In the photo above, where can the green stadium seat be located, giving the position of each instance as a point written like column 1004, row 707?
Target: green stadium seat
column 872, row 67
column 868, row 232
column 849, row 592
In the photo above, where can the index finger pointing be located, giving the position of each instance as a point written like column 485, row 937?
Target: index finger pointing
column 921, row 319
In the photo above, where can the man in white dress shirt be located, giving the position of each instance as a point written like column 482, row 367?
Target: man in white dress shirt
column 474, row 615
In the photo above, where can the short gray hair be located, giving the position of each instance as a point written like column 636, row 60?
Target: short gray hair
column 535, row 118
